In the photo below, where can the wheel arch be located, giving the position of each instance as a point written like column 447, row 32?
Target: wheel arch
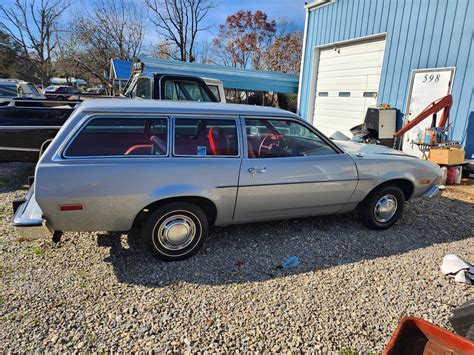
column 205, row 204
column 405, row 185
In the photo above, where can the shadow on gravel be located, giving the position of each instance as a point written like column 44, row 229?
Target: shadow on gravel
column 254, row 252
column 14, row 176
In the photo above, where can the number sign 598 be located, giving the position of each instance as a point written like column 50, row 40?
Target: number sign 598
column 429, row 78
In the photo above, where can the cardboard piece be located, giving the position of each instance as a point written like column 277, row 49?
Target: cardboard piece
column 447, row 156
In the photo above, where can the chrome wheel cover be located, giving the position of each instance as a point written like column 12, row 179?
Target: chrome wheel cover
column 176, row 232
column 385, row 208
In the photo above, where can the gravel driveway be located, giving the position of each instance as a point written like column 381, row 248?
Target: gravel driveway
column 101, row 292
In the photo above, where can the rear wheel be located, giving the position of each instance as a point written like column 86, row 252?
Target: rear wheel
column 382, row 208
column 176, row 231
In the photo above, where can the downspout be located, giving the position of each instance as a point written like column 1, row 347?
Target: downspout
column 305, row 36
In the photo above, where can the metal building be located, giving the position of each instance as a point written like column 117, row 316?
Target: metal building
column 361, row 53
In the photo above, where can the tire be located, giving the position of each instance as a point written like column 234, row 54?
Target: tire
column 462, row 320
column 176, row 231
column 382, row 208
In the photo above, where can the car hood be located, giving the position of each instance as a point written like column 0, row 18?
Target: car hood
column 353, row 147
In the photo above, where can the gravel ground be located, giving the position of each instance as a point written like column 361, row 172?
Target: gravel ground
column 98, row 292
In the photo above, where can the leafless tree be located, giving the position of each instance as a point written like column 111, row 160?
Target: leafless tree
column 33, row 25
column 179, row 22
column 110, row 29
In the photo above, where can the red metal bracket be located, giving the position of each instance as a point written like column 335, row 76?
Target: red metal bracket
column 443, row 103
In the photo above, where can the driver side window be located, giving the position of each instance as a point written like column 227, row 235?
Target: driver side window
column 283, row 138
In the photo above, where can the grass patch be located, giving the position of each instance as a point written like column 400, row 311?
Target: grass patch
column 38, row 251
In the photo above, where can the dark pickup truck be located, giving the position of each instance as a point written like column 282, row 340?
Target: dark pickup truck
column 27, row 126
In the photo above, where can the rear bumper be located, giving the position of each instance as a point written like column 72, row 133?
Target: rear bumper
column 28, row 218
column 432, row 192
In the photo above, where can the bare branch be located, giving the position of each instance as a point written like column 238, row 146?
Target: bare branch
column 33, row 26
column 179, row 22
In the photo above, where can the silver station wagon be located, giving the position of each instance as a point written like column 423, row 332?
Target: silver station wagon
column 175, row 168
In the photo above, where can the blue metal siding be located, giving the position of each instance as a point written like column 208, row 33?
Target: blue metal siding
column 420, row 34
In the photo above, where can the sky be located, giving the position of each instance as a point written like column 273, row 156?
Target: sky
column 291, row 10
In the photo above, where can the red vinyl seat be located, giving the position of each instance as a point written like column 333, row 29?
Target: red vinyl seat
column 218, row 141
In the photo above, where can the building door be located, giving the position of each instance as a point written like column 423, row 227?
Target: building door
column 347, row 83
column 427, row 85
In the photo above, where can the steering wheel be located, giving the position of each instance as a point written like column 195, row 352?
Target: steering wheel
column 269, row 142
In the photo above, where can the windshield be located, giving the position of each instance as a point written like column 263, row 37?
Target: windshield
column 30, row 89
column 8, row 90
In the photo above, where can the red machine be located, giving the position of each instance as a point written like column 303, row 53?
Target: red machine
column 443, row 103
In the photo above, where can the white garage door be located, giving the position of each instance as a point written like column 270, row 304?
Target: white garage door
column 347, row 82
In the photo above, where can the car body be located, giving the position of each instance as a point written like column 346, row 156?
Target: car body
column 176, row 87
column 118, row 163
column 60, row 92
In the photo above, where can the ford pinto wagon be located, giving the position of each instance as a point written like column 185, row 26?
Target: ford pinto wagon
column 176, row 168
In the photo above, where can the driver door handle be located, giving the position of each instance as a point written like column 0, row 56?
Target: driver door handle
column 256, row 170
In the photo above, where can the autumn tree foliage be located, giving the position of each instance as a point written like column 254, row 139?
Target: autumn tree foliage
column 284, row 54
column 244, row 38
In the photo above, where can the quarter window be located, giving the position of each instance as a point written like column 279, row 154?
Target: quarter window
column 121, row 137
column 283, row 138
column 143, row 88
column 205, row 137
column 215, row 91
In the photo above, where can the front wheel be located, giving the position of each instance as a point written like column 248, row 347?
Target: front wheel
column 382, row 208
column 175, row 231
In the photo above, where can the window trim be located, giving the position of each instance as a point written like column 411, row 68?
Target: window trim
column 337, row 150
column 210, row 117
column 90, row 118
column 165, row 77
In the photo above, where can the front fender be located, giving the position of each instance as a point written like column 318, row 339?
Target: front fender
column 375, row 170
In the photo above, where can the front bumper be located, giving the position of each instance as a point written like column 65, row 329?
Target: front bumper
column 435, row 189
column 28, row 218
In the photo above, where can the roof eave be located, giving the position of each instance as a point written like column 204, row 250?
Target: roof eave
column 318, row 4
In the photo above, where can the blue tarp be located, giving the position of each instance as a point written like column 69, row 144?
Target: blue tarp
column 232, row 78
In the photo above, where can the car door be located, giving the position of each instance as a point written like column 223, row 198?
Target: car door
column 291, row 170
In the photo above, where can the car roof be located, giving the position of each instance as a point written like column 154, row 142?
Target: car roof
column 179, row 107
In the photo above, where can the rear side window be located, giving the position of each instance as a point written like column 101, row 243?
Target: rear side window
column 105, row 137
column 205, row 137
